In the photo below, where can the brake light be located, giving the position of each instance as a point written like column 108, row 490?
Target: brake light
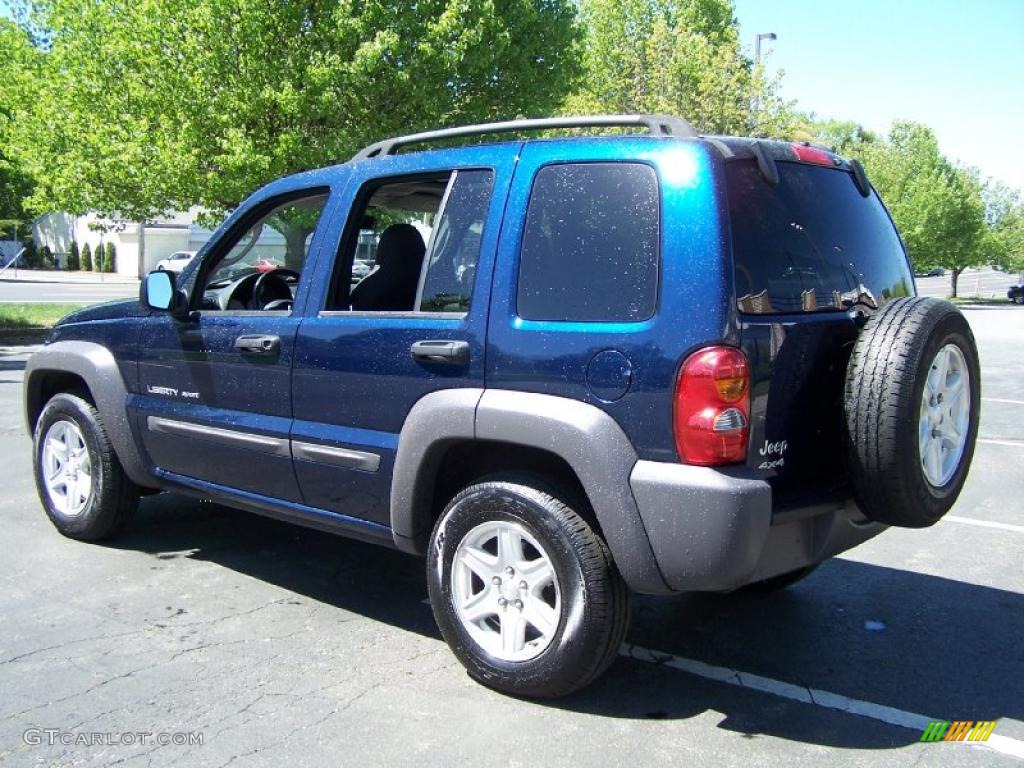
column 711, row 416
column 806, row 154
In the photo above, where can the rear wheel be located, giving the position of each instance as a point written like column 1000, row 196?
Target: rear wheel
column 912, row 403
column 80, row 481
column 524, row 591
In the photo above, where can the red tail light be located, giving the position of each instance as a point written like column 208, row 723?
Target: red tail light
column 806, row 154
column 712, row 407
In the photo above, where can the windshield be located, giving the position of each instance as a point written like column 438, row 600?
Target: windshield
column 811, row 243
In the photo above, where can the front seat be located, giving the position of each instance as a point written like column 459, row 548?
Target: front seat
column 392, row 285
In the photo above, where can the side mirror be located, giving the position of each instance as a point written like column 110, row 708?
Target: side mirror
column 158, row 293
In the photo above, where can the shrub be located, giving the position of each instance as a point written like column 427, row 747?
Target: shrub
column 86, row 258
column 46, row 258
column 73, row 257
column 109, row 258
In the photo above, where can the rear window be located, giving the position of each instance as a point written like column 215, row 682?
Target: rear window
column 812, row 243
column 590, row 244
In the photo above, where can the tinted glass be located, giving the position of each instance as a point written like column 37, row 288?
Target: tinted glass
column 590, row 244
column 811, row 243
column 451, row 266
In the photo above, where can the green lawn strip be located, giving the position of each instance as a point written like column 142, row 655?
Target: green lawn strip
column 20, row 317
column 987, row 301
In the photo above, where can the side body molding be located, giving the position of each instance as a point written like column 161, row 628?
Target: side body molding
column 96, row 366
column 589, row 440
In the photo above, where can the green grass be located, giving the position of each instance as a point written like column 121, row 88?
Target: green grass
column 21, row 317
column 988, row 300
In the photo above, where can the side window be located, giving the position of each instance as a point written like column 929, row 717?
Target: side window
column 261, row 268
column 414, row 243
column 590, row 244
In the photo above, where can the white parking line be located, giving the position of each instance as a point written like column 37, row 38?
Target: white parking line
column 1010, row 443
column 985, row 524
column 1001, row 400
column 813, row 696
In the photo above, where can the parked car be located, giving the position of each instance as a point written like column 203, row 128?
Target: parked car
column 1015, row 293
column 176, row 262
column 935, row 272
column 634, row 363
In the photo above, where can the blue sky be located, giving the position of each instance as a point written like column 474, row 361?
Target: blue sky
column 955, row 65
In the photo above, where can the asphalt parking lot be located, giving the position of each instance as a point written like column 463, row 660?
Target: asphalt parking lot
column 283, row 646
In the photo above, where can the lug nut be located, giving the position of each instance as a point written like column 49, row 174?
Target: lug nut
column 502, row 602
column 510, row 571
column 523, row 585
column 518, row 604
column 496, row 581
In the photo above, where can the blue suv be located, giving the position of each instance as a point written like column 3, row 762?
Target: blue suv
column 564, row 369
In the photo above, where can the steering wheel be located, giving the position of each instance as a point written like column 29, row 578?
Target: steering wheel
column 271, row 290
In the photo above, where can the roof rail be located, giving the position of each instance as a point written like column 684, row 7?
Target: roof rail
column 657, row 125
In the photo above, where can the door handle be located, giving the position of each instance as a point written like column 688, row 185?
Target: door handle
column 443, row 352
column 258, row 345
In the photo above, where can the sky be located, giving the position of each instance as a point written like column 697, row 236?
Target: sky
column 955, row 65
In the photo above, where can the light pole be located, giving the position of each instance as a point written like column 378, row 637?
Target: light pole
column 757, row 44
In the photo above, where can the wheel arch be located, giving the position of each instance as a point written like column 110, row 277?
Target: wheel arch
column 452, row 436
column 91, row 371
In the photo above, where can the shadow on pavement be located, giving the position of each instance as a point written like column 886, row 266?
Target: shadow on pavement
column 945, row 650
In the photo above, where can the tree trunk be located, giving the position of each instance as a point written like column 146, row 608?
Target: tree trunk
column 954, row 278
column 295, row 246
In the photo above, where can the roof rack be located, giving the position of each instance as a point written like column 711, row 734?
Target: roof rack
column 657, row 125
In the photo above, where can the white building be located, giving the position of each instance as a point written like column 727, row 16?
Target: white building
column 162, row 237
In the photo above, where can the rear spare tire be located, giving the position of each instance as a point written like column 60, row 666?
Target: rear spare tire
column 913, row 390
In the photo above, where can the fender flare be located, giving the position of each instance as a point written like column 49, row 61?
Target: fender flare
column 588, row 439
column 97, row 367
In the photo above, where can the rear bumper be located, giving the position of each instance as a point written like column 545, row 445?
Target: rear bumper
column 713, row 529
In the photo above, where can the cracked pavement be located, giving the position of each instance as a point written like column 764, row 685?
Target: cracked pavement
column 282, row 645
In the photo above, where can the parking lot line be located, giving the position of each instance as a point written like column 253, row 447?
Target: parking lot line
column 813, row 696
column 1001, row 400
column 985, row 524
column 1010, row 443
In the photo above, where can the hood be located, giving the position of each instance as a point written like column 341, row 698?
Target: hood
column 110, row 310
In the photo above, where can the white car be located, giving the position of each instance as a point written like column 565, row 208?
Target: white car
column 176, row 262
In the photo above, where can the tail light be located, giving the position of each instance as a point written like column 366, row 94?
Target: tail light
column 712, row 407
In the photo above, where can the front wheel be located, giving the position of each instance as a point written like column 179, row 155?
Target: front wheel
column 523, row 590
column 83, row 488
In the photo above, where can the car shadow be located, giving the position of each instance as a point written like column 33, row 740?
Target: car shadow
column 916, row 642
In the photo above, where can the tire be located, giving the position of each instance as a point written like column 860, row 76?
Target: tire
column 572, row 589
column 909, row 450
column 97, row 498
column 780, row 582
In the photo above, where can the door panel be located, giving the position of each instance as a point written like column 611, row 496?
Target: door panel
column 355, row 376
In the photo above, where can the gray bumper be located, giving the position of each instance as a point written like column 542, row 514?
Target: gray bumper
column 713, row 529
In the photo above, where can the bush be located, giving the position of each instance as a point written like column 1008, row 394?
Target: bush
column 30, row 258
column 109, row 258
column 86, row 258
column 46, row 258
column 74, row 261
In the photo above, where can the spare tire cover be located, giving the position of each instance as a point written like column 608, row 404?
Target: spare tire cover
column 912, row 395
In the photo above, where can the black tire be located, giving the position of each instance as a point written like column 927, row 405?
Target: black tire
column 780, row 582
column 112, row 498
column 885, row 383
column 591, row 589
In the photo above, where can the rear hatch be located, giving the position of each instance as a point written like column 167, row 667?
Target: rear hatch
column 812, row 257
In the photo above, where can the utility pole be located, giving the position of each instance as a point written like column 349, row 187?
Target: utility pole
column 757, row 44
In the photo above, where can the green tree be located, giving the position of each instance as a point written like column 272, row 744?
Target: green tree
column 74, row 261
column 937, row 206
column 161, row 104
column 1004, row 215
column 18, row 60
column 109, row 258
column 86, row 257
column 679, row 57
column 846, row 137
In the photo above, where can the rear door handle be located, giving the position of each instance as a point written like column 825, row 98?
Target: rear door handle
column 443, row 352
column 258, row 345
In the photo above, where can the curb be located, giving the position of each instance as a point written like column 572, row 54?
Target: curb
column 22, row 337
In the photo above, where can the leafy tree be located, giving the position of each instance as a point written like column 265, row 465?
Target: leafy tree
column 846, row 137
column 164, row 104
column 680, row 57
column 86, row 257
column 937, row 206
column 74, row 261
column 109, row 257
column 1004, row 215
column 17, row 62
